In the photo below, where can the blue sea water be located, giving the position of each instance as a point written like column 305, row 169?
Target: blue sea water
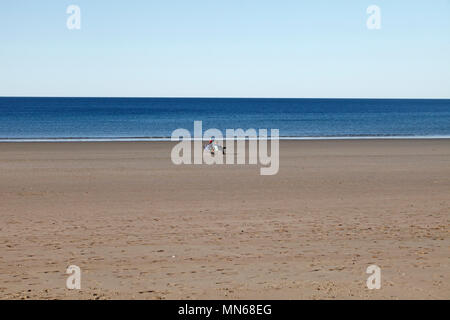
column 134, row 118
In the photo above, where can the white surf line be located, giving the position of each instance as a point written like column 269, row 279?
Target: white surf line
column 225, row 139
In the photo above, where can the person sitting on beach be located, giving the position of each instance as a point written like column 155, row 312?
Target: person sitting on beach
column 212, row 147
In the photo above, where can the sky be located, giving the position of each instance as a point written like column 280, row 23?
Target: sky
column 226, row 48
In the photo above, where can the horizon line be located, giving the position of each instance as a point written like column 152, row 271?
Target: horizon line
column 218, row 97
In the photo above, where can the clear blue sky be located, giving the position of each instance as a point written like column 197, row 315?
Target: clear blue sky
column 225, row 48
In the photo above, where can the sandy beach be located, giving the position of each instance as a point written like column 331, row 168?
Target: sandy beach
column 140, row 227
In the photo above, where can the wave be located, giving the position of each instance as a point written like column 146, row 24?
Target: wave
column 162, row 139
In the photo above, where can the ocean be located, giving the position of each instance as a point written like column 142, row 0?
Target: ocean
column 54, row 119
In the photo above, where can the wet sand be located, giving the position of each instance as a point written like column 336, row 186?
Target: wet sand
column 140, row 227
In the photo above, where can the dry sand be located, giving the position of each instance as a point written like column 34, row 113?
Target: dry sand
column 140, row 227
